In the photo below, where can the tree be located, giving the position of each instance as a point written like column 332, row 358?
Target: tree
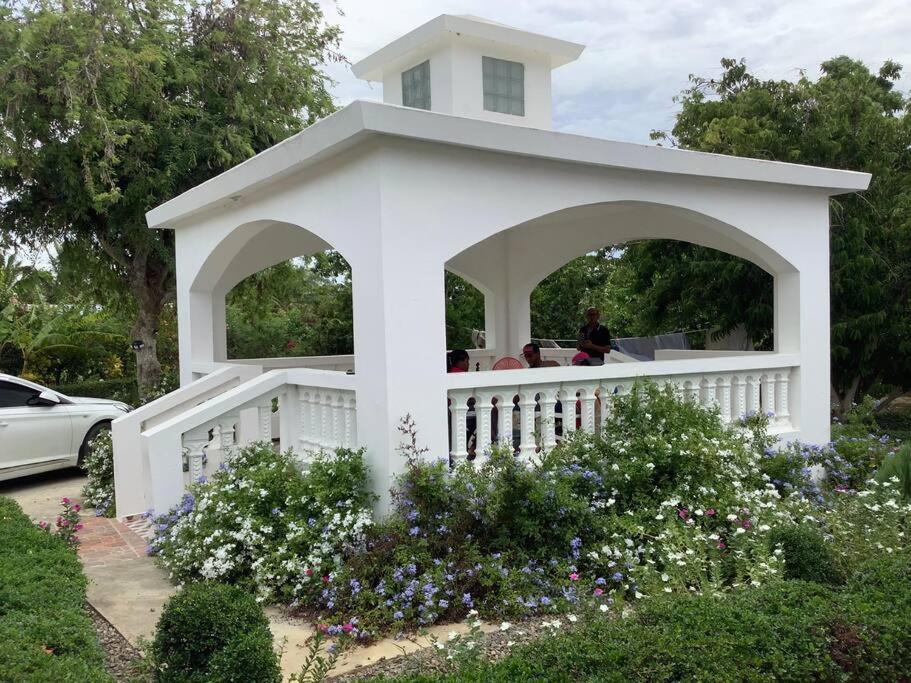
column 848, row 118
column 108, row 108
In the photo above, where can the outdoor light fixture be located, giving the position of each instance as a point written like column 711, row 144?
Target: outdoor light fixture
column 137, row 344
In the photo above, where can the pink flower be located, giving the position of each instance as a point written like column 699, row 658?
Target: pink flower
column 574, row 577
column 42, row 524
column 683, row 513
column 308, row 572
column 348, row 628
column 79, row 527
column 599, row 591
column 65, row 500
column 64, row 522
column 77, row 507
column 323, row 628
column 746, row 524
column 325, row 579
column 711, row 512
column 721, row 545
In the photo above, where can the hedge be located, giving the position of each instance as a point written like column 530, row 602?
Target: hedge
column 123, row 389
column 45, row 632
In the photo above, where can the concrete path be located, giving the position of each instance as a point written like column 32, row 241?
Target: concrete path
column 129, row 589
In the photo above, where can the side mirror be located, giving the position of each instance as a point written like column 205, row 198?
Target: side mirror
column 45, row 398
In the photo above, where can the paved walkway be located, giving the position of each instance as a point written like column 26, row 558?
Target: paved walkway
column 129, row 589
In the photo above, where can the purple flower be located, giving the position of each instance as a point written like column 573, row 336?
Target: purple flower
column 398, row 615
column 617, row 576
column 443, row 604
column 545, row 600
column 467, row 601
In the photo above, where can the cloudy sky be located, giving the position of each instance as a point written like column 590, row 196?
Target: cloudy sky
column 640, row 53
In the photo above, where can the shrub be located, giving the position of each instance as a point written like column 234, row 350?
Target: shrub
column 261, row 519
column 45, row 633
column 807, row 557
column 897, row 468
column 98, row 491
column 790, row 631
column 214, row 632
column 121, row 389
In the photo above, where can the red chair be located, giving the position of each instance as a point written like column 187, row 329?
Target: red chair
column 507, row 363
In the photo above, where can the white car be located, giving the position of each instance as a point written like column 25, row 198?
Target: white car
column 41, row 429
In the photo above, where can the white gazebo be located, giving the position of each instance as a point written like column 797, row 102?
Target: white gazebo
column 458, row 170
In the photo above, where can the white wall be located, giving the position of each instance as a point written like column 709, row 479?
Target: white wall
column 399, row 211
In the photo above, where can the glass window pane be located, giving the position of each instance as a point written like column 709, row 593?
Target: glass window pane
column 504, row 86
column 416, row 86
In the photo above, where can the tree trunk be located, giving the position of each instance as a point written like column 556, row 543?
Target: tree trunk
column 149, row 286
column 843, row 402
column 144, row 330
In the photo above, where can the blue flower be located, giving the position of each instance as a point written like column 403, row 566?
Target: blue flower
column 443, row 604
column 545, row 600
column 467, row 601
column 618, row 576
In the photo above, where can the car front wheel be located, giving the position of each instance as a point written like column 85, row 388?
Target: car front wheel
column 90, row 435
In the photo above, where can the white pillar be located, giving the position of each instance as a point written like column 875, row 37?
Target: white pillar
column 399, row 343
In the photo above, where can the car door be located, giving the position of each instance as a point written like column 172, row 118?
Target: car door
column 32, row 435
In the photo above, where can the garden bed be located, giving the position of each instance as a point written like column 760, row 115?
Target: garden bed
column 667, row 502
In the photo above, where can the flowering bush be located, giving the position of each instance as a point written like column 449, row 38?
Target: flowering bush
column 67, row 523
column 98, row 491
column 263, row 519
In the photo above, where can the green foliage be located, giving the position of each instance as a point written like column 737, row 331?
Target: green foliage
column 464, row 312
column 897, row 468
column 45, row 634
column 783, row 631
column 264, row 521
column 292, row 309
column 108, row 109
column 214, row 632
column 121, row 389
column 849, row 118
column 807, row 556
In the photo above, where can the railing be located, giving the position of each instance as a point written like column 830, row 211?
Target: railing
column 316, row 410
column 131, row 466
column 582, row 397
column 483, row 359
column 342, row 362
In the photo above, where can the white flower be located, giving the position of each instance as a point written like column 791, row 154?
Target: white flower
column 667, row 589
column 505, row 626
column 731, row 518
column 439, row 645
column 665, row 578
column 510, row 643
column 659, row 517
column 603, row 608
column 453, row 635
column 615, row 467
column 572, row 618
column 473, row 613
column 740, row 530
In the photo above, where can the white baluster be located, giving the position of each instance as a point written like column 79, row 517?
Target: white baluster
column 195, row 444
column 754, row 394
column 527, row 405
column 768, row 394
column 784, row 412
column 264, row 413
column 740, row 397
column 504, row 416
column 483, row 410
column 458, row 419
column 226, row 432
column 547, row 399
column 723, row 397
column 326, row 420
column 337, row 407
column 587, row 403
column 567, row 398
column 350, row 422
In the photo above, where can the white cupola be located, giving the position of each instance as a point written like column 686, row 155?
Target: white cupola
column 468, row 66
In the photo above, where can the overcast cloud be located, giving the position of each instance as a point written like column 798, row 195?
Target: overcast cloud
column 639, row 54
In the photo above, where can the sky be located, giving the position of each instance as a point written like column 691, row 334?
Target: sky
column 640, row 54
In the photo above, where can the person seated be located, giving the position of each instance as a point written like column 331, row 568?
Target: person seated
column 531, row 352
column 594, row 338
column 457, row 361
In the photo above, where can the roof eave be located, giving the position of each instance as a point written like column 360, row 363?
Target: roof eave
column 360, row 119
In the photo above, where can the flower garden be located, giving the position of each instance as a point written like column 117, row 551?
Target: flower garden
column 667, row 504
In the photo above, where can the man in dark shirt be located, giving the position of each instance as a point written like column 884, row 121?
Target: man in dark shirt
column 594, row 338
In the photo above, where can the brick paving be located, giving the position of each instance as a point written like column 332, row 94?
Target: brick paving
column 108, row 541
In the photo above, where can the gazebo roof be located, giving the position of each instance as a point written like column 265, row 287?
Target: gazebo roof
column 436, row 30
column 364, row 119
